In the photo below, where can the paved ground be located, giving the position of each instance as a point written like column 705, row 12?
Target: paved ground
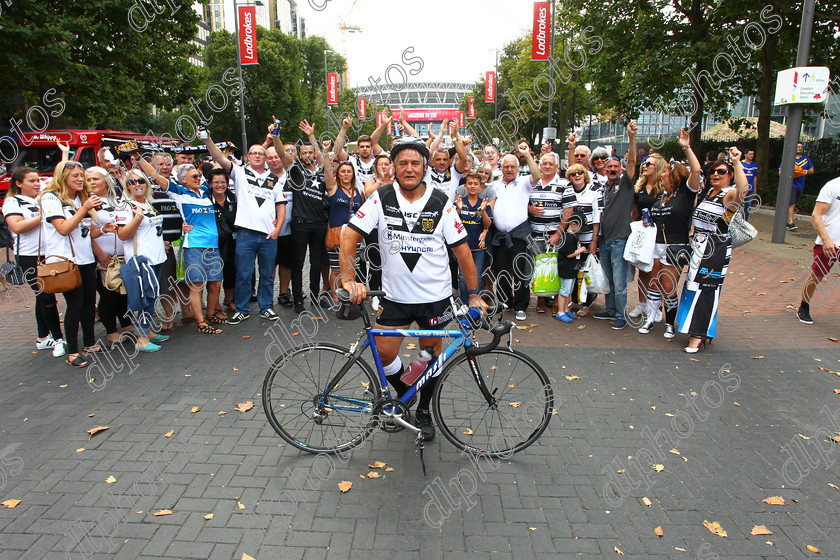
column 745, row 420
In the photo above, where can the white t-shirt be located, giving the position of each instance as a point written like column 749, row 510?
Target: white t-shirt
column 288, row 194
column 25, row 207
column 59, row 245
column 413, row 238
column 511, row 202
column 108, row 242
column 149, row 234
column 364, row 171
column 446, row 182
column 257, row 198
column 829, row 194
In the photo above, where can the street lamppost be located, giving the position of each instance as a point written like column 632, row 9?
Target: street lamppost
column 589, row 131
column 239, row 68
column 326, row 89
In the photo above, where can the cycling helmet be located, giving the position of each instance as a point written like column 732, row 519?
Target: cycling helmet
column 410, row 142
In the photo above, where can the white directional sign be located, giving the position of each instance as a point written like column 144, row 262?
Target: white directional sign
column 806, row 84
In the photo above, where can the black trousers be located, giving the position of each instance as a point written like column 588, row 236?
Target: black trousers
column 113, row 306
column 313, row 237
column 46, row 312
column 514, row 269
column 81, row 309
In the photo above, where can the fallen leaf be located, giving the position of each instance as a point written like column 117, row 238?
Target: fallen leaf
column 91, row 415
column 169, row 434
column 573, row 377
column 512, row 386
column 813, row 549
column 694, row 359
column 208, row 517
column 769, row 542
column 515, row 404
column 239, row 505
column 736, row 403
column 194, row 409
column 11, row 503
column 295, row 333
column 521, row 328
column 774, row 501
column 618, row 550
column 96, row 430
column 389, row 469
column 79, row 450
column 468, row 432
column 236, row 369
column 246, row 557
column 834, row 486
column 246, row 336
column 532, row 325
column 516, row 340
column 110, row 480
column 373, row 474
column 653, row 408
column 647, row 502
column 832, row 339
column 680, row 549
column 658, row 468
column 758, row 357
column 761, row 530
column 669, row 414
column 63, row 386
column 345, row 486
column 837, row 391
column 411, row 347
column 365, row 384
column 160, row 512
column 803, row 437
column 659, row 532
column 187, row 375
column 532, row 528
column 674, row 451
column 714, row 527
column 581, row 327
column 378, row 465
column 245, row 407
column 621, row 471
column 222, row 413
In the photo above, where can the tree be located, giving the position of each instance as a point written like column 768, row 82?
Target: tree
column 103, row 58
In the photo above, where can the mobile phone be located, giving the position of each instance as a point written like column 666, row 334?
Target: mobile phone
column 202, row 133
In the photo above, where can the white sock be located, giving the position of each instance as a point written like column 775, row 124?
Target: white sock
column 392, row 368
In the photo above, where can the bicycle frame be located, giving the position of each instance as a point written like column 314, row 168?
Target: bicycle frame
column 460, row 339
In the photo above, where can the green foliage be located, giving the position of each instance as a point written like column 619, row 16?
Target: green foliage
column 90, row 54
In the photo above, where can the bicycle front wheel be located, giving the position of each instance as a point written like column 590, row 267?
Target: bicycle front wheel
column 302, row 414
column 516, row 414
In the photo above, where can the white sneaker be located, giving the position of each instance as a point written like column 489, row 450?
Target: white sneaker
column 646, row 326
column 520, row 316
column 637, row 311
column 48, row 342
column 658, row 318
column 60, row 348
column 669, row 331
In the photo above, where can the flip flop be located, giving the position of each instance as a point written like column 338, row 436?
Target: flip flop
column 76, row 362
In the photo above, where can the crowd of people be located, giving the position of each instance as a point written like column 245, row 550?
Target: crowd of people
column 150, row 235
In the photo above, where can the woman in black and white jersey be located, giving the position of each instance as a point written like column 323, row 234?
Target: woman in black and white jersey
column 711, row 249
column 23, row 216
column 671, row 214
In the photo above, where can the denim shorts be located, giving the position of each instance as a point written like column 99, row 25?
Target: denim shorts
column 566, row 285
column 202, row 265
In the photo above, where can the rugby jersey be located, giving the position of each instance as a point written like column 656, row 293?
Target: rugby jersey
column 550, row 198
column 198, row 211
column 587, row 201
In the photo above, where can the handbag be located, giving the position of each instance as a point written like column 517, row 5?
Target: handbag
column 546, row 278
column 111, row 278
column 334, row 233
column 11, row 272
column 58, row 277
column 741, row 231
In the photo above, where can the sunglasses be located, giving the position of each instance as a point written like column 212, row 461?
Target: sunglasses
column 598, row 157
column 580, row 155
column 720, row 171
column 576, row 174
column 72, row 164
column 193, row 176
column 645, row 164
column 256, row 153
column 134, row 182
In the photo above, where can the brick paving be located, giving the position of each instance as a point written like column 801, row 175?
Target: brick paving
column 749, row 417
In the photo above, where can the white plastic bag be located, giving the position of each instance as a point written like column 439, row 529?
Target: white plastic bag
column 640, row 246
column 597, row 280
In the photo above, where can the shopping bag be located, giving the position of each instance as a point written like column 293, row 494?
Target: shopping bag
column 546, row 279
column 177, row 247
column 640, row 246
column 581, row 291
column 598, row 282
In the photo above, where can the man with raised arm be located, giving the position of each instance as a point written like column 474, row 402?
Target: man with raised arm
column 260, row 211
column 417, row 224
column 368, row 148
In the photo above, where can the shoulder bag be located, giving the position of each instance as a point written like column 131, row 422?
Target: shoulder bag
column 58, row 277
column 111, row 278
column 741, row 231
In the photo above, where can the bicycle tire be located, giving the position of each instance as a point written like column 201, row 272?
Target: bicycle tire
column 471, row 424
column 292, row 401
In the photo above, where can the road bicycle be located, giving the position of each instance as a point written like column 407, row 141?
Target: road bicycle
column 325, row 398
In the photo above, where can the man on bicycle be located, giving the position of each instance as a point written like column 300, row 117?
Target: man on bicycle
column 416, row 225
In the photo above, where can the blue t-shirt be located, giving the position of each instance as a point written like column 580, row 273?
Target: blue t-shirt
column 750, row 170
column 473, row 220
column 802, row 162
column 198, row 211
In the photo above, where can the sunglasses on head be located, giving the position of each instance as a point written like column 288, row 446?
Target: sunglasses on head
column 719, row 171
column 72, row 164
column 575, row 173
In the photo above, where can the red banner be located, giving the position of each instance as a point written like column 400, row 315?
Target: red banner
column 379, row 118
column 471, row 109
column 461, row 119
column 490, row 87
column 361, row 108
column 248, row 35
column 541, row 37
column 332, row 88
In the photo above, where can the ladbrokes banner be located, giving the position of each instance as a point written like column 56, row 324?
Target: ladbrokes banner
column 248, row 35
column 541, row 38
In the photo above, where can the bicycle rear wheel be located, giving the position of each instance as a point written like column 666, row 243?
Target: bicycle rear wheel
column 294, row 401
column 518, row 412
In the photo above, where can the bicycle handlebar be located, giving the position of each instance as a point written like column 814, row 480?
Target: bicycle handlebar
column 344, row 295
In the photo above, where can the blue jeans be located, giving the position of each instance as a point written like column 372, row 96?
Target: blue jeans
column 250, row 245
column 478, row 259
column 748, row 204
column 615, row 268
